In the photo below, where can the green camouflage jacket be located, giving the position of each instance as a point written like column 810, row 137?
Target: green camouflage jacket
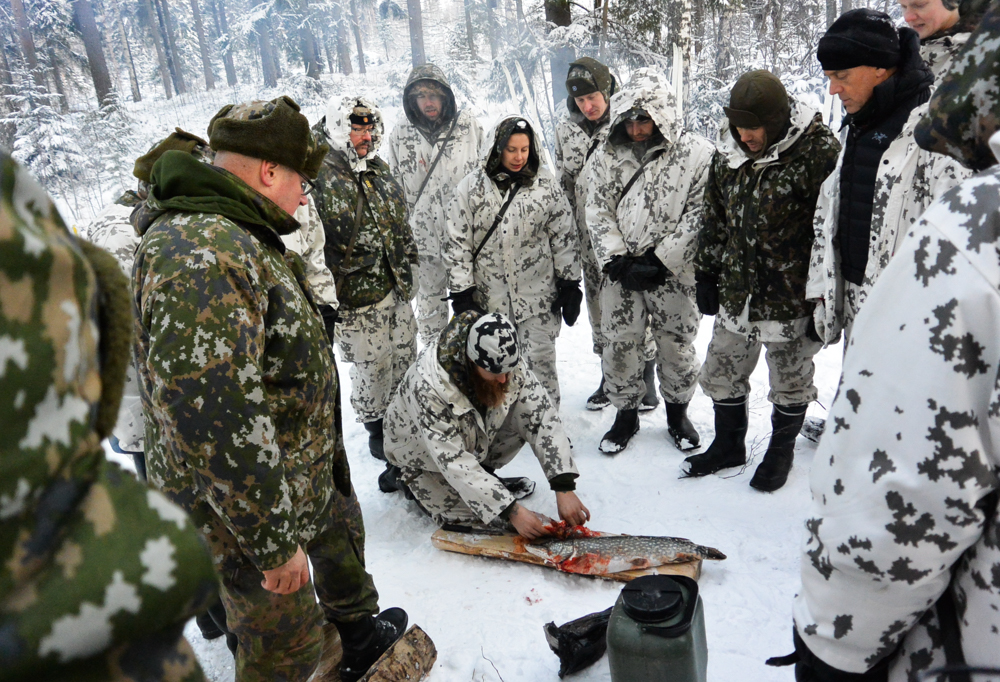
column 235, row 370
column 385, row 252
column 756, row 234
column 89, row 557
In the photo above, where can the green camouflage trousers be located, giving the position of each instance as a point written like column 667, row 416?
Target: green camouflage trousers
column 440, row 500
column 732, row 357
column 432, row 309
column 669, row 313
column 281, row 636
column 380, row 343
column 101, row 610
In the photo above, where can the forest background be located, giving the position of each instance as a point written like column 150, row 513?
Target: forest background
column 87, row 86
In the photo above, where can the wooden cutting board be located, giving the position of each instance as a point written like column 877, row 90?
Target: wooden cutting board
column 511, row 548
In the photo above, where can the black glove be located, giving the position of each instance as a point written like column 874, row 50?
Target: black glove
column 810, row 668
column 464, row 300
column 568, row 299
column 617, row 267
column 662, row 272
column 706, row 293
column 330, row 318
column 811, row 333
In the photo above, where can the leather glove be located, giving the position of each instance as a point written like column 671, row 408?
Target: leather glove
column 617, row 267
column 706, row 293
column 810, row 668
column 330, row 318
column 464, row 300
column 568, row 299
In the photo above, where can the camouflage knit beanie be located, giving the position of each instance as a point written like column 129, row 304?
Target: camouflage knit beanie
column 965, row 110
column 272, row 131
column 587, row 75
column 179, row 140
column 492, row 344
column 758, row 100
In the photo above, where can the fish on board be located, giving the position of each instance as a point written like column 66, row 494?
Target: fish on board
column 601, row 554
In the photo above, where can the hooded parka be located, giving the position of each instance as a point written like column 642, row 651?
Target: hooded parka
column 376, row 331
column 534, row 245
column 907, row 179
column 904, row 491
column 411, row 149
column 661, row 212
column 441, row 439
column 576, row 141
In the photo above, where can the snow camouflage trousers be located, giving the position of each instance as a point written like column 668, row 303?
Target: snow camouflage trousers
column 854, row 298
column 537, row 337
column 380, row 343
column 732, row 358
column 432, row 309
column 670, row 313
column 440, row 501
column 281, row 636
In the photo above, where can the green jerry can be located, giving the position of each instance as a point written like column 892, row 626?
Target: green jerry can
column 657, row 631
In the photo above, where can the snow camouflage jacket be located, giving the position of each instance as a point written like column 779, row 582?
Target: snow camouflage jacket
column 412, row 148
column 309, row 241
column 432, row 425
column 385, row 251
column 905, row 480
column 663, row 208
column 76, row 529
column 908, row 180
column 112, row 231
column 237, row 379
column 938, row 52
column 756, row 234
column 535, row 243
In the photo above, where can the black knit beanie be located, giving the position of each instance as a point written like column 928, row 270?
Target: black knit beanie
column 860, row 37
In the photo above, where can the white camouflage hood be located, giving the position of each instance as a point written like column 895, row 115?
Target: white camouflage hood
column 537, row 143
column 652, row 92
column 338, row 128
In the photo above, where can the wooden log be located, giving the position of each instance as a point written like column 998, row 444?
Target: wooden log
column 410, row 658
column 329, row 661
column 511, row 548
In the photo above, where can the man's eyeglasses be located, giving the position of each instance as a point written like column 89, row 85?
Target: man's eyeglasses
column 307, row 185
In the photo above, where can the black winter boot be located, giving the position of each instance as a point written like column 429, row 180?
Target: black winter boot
column 680, row 427
column 651, row 400
column 773, row 470
column 375, row 439
column 388, row 480
column 728, row 448
column 626, row 425
column 599, row 399
column 367, row 639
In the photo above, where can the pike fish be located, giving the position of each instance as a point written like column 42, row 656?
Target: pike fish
column 603, row 554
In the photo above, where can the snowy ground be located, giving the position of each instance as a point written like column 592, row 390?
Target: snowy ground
column 486, row 616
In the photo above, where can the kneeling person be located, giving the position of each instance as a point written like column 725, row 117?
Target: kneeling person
column 465, row 409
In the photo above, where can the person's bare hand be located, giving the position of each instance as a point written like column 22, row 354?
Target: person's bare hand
column 527, row 523
column 571, row 509
column 288, row 577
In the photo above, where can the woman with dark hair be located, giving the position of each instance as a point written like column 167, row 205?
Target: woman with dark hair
column 512, row 247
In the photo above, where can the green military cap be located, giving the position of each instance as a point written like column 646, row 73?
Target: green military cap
column 274, row 131
column 181, row 140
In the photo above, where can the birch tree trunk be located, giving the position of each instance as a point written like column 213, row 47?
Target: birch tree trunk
column 27, row 43
column 133, row 80
column 84, row 16
column 206, row 61
column 161, row 58
column 417, row 54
